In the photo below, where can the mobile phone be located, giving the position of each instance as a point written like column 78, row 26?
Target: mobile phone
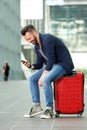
column 23, row 61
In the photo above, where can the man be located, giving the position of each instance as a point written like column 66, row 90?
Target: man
column 53, row 60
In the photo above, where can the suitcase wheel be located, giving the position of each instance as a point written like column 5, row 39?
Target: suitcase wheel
column 57, row 114
column 79, row 114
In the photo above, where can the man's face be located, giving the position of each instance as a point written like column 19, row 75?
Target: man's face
column 29, row 37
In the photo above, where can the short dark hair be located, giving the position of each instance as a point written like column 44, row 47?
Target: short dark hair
column 27, row 28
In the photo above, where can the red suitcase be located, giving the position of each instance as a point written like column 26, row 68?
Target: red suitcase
column 69, row 94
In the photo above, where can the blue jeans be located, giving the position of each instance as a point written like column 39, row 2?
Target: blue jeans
column 56, row 72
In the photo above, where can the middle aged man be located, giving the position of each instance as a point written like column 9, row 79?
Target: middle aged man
column 53, row 60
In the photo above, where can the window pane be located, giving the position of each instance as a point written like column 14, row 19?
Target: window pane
column 69, row 22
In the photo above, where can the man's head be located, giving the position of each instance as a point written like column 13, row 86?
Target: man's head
column 29, row 33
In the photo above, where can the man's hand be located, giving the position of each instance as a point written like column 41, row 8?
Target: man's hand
column 41, row 78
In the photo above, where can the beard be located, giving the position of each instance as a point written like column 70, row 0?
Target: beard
column 34, row 40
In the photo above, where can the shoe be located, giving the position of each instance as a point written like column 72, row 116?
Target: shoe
column 35, row 110
column 47, row 114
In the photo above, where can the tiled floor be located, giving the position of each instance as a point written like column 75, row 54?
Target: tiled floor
column 15, row 101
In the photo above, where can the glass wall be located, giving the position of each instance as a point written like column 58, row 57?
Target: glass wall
column 69, row 22
column 10, row 42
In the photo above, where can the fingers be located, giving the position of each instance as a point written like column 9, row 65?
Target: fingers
column 27, row 64
column 40, row 82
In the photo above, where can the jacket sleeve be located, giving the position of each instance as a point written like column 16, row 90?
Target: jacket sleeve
column 50, row 53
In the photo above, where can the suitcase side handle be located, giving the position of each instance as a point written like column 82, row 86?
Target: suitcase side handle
column 71, row 74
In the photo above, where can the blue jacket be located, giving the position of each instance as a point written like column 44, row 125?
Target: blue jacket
column 55, row 51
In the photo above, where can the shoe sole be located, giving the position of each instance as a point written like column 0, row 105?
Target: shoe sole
column 45, row 117
column 29, row 116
